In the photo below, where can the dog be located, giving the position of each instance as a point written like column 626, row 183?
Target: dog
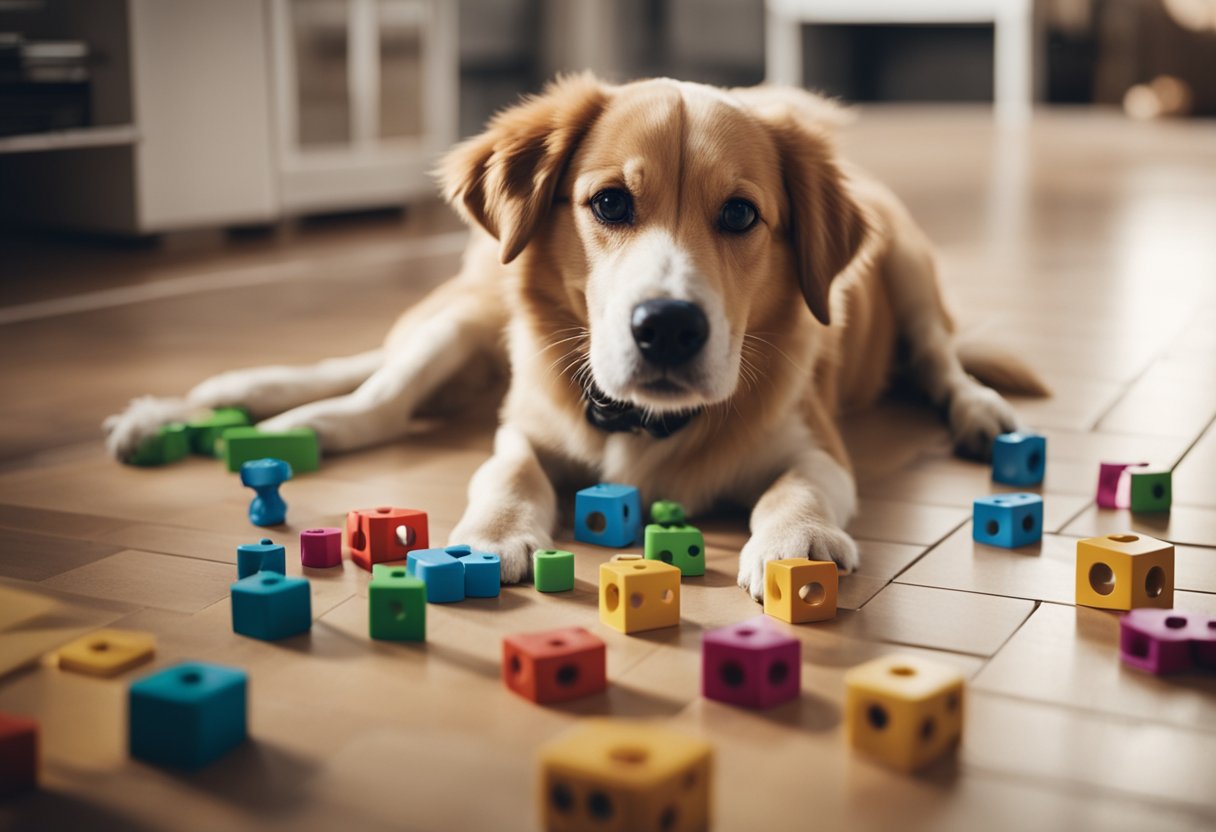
column 689, row 286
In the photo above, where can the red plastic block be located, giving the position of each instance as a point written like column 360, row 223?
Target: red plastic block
column 18, row 754
column 554, row 665
column 379, row 535
column 321, row 548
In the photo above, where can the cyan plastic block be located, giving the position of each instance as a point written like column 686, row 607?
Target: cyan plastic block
column 1007, row 520
column 608, row 515
column 265, row 476
column 1019, row 458
column 271, row 606
column 482, row 571
column 266, row 556
column 188, row 715
column 442, row 574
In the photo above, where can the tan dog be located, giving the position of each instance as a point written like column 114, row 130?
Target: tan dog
column 690, row 288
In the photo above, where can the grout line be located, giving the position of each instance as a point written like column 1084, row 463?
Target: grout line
column 1107, row 716
column 1191, row 445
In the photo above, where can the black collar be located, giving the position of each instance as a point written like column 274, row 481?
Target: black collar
column 620, row 417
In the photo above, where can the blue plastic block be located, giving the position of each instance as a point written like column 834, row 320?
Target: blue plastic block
column 271, row 606
column 1008, row 520
column 265, row 476
column 482, row 571
column 1019, row 458
column 188, row 715
column 442, row 574
column 266, row 556
column 608, row 515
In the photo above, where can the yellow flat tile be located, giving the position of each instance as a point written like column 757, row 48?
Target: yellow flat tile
column 151, row 580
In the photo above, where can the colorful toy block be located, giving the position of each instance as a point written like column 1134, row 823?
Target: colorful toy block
column 18, row 754
column 482, row 571
column 608, row 515
column 553, row 570
column 396, row 604
column 1113, row 484
column 321, row 548
column 554, row 665
column 1019, row 458
column 265, row 476
column 623, row 775
column 666, row 512
column 1007, row 520
column 680, row 545
column 751, row 664
column 271, row 606
column 384, row 534
column 188, row 715
column 169, row 444
column 298, row 448
column 798, row 590
column 267, row 556
column 107, row 652
column 1151, row 488
column 442, row 573
column 1164, row 641
column 904, row 711
column 638, row 595
column 1124, row 572
column 206, row 433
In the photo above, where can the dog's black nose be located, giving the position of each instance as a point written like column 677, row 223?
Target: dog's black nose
column 669, row 332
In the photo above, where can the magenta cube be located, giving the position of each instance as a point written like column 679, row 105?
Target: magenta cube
column 752, row 664
column 321, row 548
column 1205, row 643
column 1161, row 641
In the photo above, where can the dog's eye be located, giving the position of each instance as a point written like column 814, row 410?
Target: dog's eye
column 737, row 216
column 612, row 206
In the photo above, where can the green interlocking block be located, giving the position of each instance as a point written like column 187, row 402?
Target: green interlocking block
column 296, row 447
column 171, row 443
column 666, row 513
column 1151, row 490
column 396, row 604
column 205, row 434
column 679, row 545
column 553, row 570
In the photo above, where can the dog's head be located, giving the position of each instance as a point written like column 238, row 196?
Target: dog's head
column 679, row 218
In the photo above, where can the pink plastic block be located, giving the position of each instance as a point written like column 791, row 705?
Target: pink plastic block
column 1205, row 644
column 752, row 664
column 321, row 548
column 1114, row 489
column 1163, row 641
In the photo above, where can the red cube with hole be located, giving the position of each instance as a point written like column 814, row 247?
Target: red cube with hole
column 554, row 665
column 18, row 754
column 380, row 535
column 751, row 664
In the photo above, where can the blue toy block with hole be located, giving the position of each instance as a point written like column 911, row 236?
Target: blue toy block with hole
column 442, row 574
column 482, row 571
column 1019, row 458
column 608, row 515
column 188, row 715
column 271, row 606
column 265, row 476
column 1007, row 520
column 396, row 603
column 252, row 558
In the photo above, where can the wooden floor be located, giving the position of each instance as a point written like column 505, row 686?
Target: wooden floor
column 1087, row 243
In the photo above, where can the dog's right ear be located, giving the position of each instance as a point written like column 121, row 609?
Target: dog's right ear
column 504, row 179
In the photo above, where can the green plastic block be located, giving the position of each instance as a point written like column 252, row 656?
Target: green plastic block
column 553, row 570
column 679, row 545
column 666, row 513
column 205, row 434
column 1151, row 489
column 396, row 604
column 296, row 447
column 171, row 443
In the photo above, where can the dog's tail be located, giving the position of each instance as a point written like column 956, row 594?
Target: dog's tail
column 1000, row 369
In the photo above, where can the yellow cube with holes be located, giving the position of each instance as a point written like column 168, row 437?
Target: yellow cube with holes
column 107, row 652
column 638, row 594
column 1124, row 572
column 904, row 711
column 798, row 590
column 621, row 775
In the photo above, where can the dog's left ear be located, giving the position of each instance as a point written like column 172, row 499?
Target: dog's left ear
column 504, row 179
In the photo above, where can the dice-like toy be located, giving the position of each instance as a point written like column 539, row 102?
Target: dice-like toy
column 751, row 664
column 553, row 570
column 18, row 754
column 265, row 476
column 798, row 590
column 383, row 534
column 396, row 604
column 267, row 556
column 107, row 652
column 321, row 548
column 1167, row 641
column 608, row 515
column 1007, row 520
column 271, row 606
column 679, row 544
column 554, row 665
column 482, row 571
column 1124, row 572
column 638, row 594
column 442, row 572
column 1151, row 488
column 188, row 715
column 298, row 447
column 1019, row 458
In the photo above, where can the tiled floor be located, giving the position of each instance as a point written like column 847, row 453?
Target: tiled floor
column 1085, row 243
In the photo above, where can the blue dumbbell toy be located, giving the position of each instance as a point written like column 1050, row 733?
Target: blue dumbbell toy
column 265, row 476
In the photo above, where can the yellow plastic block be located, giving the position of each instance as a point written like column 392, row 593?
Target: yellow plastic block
column 904, row 711
column 637, row 594
column 107, row 652
column 1124, row 572
column 798, row 590
column 624, row 776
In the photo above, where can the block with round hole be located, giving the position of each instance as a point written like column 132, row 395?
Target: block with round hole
column 903, row 711
column 751, row 664
column 18, row 754
column 107, row 652
column 1151, row 488
column 638, row 594
column 482, row 571
column 384, row 534
column 396, row 604
column 1019, row 458
column 1163, row 641
column 619, row 775
column 271, row 606
column 554, row 665
column 608, row 515
column 1205, row 644
column 553, row 570
column 442, row 573
column 1007, row 520
column 798, row 590
column 321, row 548
column 1124, row 572
column 266, row 556
column 188, row 715
column 679, row 544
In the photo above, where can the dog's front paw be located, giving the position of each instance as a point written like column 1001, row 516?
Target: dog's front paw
column 977, row 416
column 812, row 539
column 514, row 545
column 141, row 420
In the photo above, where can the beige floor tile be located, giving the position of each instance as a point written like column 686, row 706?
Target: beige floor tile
column 900, row 522
column 1181, row 524
column 1175, row 397
column 34, row 557
column 148, row 579
column 1194, row 481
